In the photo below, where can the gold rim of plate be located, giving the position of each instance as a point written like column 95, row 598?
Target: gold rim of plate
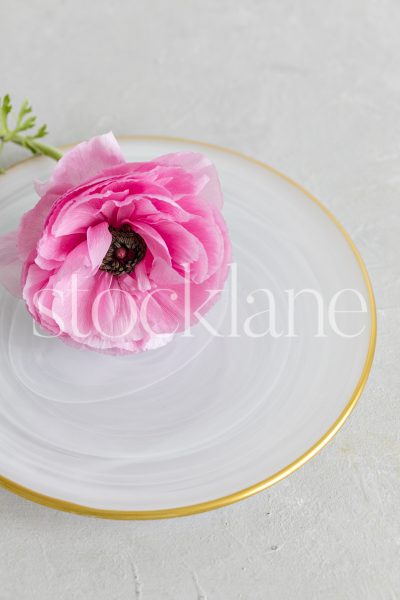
column 192, row 509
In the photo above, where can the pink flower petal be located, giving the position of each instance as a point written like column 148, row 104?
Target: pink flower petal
column 84, row 161
column 202, row 170
column 98, row 240
column 154, row 241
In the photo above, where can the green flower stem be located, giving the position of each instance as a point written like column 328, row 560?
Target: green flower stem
column 38, row 147
column 24, row 122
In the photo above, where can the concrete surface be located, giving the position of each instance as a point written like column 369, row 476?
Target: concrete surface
column 312, row 88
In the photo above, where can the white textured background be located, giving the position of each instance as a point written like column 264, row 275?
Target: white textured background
column 313, row 88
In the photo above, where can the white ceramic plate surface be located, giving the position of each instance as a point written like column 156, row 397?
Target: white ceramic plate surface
column 205, row 420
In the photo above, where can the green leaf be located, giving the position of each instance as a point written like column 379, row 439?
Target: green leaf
column 6, row 106
column 27, row 124
column 24, row 121
column 5, row 109
column 24, row 110
column 41, row 132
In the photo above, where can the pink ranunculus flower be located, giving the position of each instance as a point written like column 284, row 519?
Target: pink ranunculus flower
column 119, row 256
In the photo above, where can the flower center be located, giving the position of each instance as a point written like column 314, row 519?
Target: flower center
column 126, row 250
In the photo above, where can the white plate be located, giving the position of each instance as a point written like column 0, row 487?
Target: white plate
column 205, row 420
